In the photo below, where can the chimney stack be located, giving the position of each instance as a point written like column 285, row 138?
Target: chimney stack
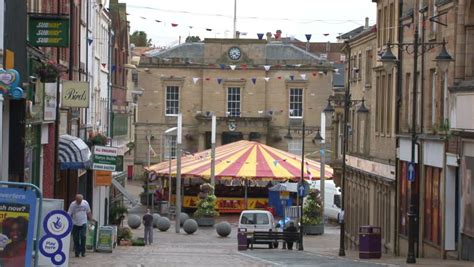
column 269, row 36
column 366, row 26
column 237, row 34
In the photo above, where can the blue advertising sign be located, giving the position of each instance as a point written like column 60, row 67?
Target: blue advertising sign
column 411, row 172
column 54, row 245
column 17, row 222
column 303, row 189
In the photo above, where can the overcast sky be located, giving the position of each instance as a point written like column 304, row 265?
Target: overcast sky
column 293, row 17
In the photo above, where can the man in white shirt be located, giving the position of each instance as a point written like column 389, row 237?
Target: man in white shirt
column 80, row 212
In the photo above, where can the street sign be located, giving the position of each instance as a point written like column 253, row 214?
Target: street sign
column 303, row 189
column 411, row 172
column 104, row 158
column 103, row 178
column 49, row 31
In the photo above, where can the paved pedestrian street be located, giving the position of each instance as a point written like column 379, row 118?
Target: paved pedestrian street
column 206, row 248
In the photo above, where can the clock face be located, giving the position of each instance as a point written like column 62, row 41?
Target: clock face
column 234, row 53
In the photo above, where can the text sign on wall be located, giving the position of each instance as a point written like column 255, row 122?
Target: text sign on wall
column 103, row 178
column 49, row 31
column 104, row 158
column 75, row 94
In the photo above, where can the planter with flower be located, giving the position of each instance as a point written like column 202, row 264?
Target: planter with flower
column 206, row 208
column 50, row 71
column 97, row 139
column 313, row 223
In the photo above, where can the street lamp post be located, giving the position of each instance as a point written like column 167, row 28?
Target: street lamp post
column 346, row 103
column 389, row 60
column 301, row 183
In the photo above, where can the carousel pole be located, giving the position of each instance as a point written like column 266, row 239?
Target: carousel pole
column 178, row 172
column 213, row 151
column 245, row 194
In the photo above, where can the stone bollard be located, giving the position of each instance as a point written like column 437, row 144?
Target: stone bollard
column 163, row 224
column 182, row 218
column 223, row 229
column 156, row 216
column 134, row 221
column 190, row 226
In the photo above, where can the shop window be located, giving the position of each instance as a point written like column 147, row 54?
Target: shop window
column 432, row 212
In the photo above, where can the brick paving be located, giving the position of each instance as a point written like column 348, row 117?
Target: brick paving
column 206, row 248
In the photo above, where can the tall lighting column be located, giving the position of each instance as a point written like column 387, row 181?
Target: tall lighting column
column 178, row 171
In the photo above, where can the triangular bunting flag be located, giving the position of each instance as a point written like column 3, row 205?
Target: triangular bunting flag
column 244, row 66
column 158, row 20
column 303, row 76
column 232, row 67
column 222, row 66
column 208, row 79
column 104, row 65
column 275, row 162
column 114, row 67
column 308, row 37
column 195, row 80
column 279, row 77
column 219, row 80
column 267, row 67
column 292, row 77
column 90, row 40
column 266, row 79
column 254, row 80
column 260, row 36
column 174, row 24
column 209, row 30
column 297, row 65
column 142, row 17
column 314, row 74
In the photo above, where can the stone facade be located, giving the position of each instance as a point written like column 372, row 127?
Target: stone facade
column 203, row 74
column 370, row 180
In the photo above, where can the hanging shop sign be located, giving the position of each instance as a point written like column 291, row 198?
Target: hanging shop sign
column 104, row 158
column 9, row 81
column 75, row 94
column 17, row 221
column 49, row 112
column 49, row 31
column 103, row 178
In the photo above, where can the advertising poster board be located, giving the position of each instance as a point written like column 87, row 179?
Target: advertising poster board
column 105, row 240
column 17, row 214
column 54, row 245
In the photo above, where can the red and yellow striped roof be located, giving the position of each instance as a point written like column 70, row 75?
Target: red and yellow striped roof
column 244, row 159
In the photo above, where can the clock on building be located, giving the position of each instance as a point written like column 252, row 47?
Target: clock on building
column 234, row 53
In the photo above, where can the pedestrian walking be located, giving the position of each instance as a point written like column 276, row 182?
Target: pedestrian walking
column 80, row 211
column 148, row 223
column 291, row 228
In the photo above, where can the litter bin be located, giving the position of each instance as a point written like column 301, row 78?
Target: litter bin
column 163, row 207
column 242, row 239
column 370, row 242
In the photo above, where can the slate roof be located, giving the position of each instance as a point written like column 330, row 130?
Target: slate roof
column 275, row 51
column 338, row 77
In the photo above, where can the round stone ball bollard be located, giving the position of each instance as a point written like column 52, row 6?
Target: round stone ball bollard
column 223, row 229
column 156, row 216
column 190, row 226
column 182, row 218
column 163, row 224
column 134, row 221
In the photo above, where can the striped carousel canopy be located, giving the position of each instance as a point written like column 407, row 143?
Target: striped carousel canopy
column 244, row 159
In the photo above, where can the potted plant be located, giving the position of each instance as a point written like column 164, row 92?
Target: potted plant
column 97, row 139
column 206, row 208
column 49, row 71
column 117, row 214
column 313, row 223
column 124, row 236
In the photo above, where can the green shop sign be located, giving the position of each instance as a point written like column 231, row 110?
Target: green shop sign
column 120, row 124
column 49, row 31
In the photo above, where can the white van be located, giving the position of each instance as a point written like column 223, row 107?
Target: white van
column 256, row 220
column 332, row 198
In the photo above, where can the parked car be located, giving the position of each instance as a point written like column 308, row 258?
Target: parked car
column 332, row 198
column 257, row 220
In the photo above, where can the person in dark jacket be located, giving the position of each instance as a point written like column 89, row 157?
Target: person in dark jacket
column 291, row 228
column 148, row 223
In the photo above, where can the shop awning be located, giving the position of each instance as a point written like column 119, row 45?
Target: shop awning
column 244, row 159
column 73, row 153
